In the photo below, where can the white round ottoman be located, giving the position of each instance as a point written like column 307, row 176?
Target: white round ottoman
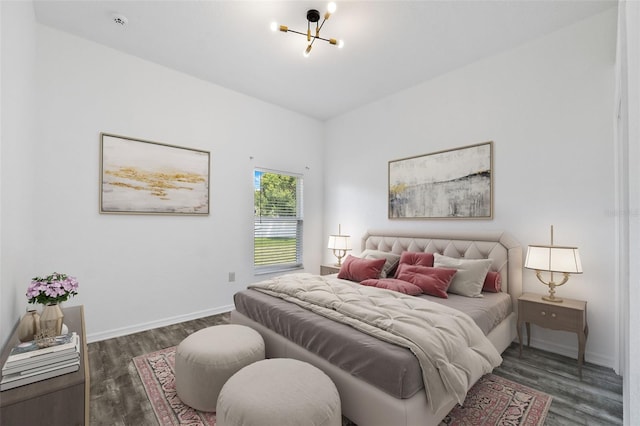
column 279, row 392
column 207, row 358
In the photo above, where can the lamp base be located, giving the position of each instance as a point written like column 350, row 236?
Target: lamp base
column 339, row 254
column 552, row 287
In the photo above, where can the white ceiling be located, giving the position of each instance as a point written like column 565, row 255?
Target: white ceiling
column 389, row 45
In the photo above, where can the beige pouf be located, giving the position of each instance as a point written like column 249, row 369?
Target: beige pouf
column 279, row 392
column 207, row 358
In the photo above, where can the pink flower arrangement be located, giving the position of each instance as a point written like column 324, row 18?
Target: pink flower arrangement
column 54, row 288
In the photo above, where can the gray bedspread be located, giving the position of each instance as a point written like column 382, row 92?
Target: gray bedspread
column 391, row 368
column 452, row 351
column 487, row 311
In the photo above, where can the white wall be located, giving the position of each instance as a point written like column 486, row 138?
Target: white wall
column 17, row 174
column 138, row 272
column 547, row 106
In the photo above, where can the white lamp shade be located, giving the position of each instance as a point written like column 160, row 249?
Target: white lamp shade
column 554, row 259
column 339, row 242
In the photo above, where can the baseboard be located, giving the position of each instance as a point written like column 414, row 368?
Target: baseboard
column 570, row 351
column 109, row 334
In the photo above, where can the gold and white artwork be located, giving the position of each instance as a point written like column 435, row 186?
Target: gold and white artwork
column 148, row 177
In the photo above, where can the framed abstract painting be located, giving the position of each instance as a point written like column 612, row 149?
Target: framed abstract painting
column 451, row 184
column 144, row 177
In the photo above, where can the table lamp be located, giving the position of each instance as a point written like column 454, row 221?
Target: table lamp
column 551, row 258
column 339, row 244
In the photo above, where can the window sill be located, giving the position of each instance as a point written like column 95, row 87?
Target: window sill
column 277, row 270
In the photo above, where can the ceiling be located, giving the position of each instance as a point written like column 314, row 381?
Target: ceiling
column 389, row 45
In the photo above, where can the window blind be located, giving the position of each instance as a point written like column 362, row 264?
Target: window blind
column 278, row 221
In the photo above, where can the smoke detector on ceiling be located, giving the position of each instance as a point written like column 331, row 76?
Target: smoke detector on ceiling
column 120, row 20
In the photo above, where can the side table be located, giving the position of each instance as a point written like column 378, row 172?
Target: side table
column 570, row 315
column 61, row 400
column 329, row 269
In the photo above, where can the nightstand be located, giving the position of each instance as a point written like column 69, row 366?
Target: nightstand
column 570, row 315
column 329, row 269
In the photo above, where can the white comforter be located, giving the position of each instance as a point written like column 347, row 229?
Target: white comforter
column 452, row 350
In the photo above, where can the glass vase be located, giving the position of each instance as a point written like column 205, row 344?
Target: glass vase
column 51, row 318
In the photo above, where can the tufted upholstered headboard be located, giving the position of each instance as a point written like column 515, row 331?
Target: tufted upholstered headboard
column 502, row 248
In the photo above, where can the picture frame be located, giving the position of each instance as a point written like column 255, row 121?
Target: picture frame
column 144, row 177
column 450, row 184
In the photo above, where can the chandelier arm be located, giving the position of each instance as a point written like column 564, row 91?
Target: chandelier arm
column 296, row 32
column 304, row 34
column 319, row 28
column 323, row 39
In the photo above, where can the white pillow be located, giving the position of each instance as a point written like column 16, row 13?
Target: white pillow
column 391, row 260
column 469, row 279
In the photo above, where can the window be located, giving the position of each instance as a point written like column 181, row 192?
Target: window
column 277, row 236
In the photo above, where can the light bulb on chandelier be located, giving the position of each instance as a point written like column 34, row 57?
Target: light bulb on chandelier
column 339, row 43
column 313, row 16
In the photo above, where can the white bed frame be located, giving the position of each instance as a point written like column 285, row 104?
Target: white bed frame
column 365, row 404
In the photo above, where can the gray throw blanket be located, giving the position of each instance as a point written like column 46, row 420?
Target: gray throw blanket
column 452, row 350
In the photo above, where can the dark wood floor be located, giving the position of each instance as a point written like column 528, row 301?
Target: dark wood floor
column 594, row 400
column 118, row 398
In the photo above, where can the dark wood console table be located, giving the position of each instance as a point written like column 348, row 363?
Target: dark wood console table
column 62, row 400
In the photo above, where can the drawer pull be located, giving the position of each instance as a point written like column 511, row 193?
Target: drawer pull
column 553, row 315
column 543, row 313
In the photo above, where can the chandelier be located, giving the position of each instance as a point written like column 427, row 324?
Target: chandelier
column 313, row 17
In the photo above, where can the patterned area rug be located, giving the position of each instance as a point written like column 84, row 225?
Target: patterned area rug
column 491, row 401
column 497, row 401
column 156, row 371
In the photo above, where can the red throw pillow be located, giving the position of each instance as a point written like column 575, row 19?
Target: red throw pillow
column 395, row 285
column 432, row 281
column 357, row 269
column 415, row 258
column 492, row 282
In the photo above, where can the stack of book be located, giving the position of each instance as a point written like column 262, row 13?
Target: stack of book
column 28, row 363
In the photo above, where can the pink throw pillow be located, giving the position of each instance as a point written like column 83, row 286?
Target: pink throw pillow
column 395, row 285
column 415, row 258
column 357, row 269
column 432, row 281
column 492, row 282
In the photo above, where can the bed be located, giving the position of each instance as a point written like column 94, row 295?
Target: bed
column 371, row 392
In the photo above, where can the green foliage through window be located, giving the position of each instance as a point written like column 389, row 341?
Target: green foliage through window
column 276, row 195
